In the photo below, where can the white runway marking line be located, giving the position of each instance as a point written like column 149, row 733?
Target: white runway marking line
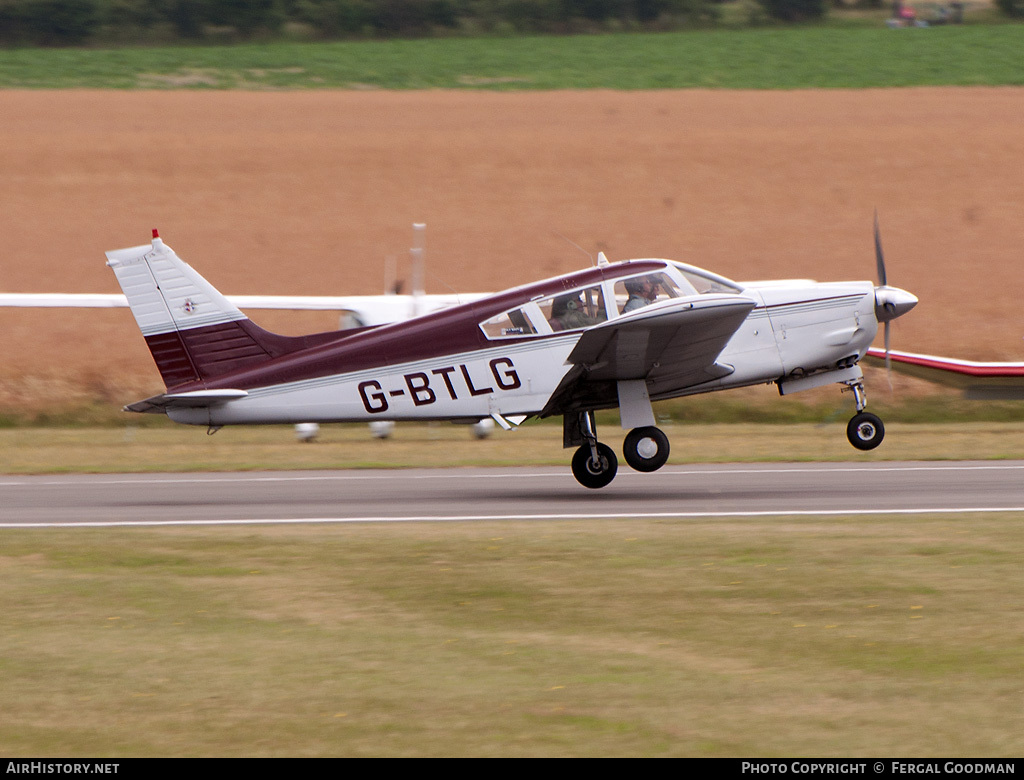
column 455, row 473
column 509, row 518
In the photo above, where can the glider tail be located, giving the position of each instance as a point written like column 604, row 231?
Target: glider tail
column 192, row 330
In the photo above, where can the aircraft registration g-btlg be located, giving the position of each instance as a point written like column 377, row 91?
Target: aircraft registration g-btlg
column 615, row 335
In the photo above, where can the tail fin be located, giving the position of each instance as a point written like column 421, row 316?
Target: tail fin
column 193, row 332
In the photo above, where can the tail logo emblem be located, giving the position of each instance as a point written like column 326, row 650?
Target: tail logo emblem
column 189, row 306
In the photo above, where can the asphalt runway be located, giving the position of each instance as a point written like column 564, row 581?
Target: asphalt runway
column 710, row 490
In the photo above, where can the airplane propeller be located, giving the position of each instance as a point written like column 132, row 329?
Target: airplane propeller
column 890, row 302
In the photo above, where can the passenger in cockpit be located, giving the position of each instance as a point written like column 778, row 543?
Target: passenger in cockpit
column 568, row 313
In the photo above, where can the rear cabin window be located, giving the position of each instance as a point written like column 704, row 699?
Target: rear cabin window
column 574, row 310
column 511, row 324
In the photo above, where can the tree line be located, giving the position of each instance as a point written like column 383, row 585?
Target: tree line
column 76, row 22
column 85, row 22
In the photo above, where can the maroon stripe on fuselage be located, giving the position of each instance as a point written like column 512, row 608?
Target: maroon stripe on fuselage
column 198, row 355
column 446, row 332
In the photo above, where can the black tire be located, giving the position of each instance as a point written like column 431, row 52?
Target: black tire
column 593, row 475
column 865, row 431
column 645, row 449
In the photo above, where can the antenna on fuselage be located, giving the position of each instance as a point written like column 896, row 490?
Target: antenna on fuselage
column 569, row 240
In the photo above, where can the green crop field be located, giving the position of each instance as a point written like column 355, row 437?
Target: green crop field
column 772, row 58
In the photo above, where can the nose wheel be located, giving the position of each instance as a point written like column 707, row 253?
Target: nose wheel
column 865, row 430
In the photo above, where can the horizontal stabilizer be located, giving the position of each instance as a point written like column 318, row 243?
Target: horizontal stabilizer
column 159, row 404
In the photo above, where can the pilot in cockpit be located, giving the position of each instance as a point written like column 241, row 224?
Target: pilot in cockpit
column 642, row 291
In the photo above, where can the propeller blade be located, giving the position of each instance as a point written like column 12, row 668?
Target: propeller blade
column 879, row 255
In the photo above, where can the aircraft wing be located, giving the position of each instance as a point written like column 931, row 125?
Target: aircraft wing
column 64, row 300
column 674, row 344
column 979, row 381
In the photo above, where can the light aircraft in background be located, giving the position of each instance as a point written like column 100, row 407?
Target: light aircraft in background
column 355, row 311
column 997, row 381
column 615, row 335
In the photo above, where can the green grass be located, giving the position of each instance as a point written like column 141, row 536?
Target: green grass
column 789, row 637
column 909, row 401
column 109, row 450
column 769, row 58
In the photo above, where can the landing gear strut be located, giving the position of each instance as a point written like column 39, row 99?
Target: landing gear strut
column 594, row 465
column 865, row 430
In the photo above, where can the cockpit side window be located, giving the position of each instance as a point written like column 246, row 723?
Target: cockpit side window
column 639, row 291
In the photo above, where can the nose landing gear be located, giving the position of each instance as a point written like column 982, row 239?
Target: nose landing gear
column 865, row 430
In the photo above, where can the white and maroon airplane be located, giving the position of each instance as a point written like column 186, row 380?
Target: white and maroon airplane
column 615, row 335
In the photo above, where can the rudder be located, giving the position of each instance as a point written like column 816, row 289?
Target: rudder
column 193, row 332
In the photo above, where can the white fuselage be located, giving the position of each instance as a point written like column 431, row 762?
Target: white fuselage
column 794, row 330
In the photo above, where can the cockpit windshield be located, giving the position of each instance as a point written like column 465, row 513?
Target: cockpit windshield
column 706, row 282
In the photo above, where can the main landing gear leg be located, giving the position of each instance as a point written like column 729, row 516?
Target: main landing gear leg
column 645, row 447
column 594, row 464
column 865, row 430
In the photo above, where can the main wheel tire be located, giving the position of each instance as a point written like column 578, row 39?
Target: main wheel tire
column 591, row 474
column 645, row 449
column 865, row 431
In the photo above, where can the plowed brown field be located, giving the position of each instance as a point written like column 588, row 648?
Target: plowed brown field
column 312, row 192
